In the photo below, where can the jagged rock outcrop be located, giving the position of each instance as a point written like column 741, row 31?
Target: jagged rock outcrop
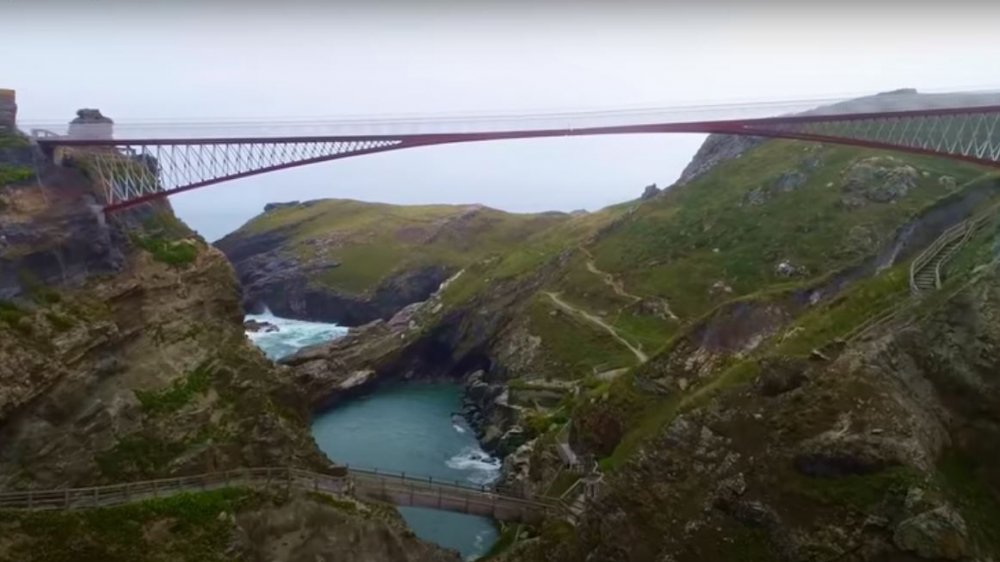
column 52, row 241
column 715, row 150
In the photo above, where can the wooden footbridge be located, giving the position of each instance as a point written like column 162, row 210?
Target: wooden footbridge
column 373, row 485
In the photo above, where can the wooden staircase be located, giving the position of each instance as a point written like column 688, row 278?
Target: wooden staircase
column 926, row 268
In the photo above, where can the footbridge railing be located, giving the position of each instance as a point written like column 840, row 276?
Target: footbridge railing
column 396, row 488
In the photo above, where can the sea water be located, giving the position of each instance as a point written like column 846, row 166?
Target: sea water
column 409, row 427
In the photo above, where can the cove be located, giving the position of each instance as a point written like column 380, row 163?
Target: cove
column 405, row 427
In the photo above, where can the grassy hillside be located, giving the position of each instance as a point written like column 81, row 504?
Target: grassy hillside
column 371, row 241
column 652, row 269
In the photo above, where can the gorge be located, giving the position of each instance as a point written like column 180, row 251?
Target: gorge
column 734, row 367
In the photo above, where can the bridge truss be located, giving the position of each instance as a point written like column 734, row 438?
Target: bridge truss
column 133, row 171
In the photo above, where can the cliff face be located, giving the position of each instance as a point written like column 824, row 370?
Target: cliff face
column 123, row 357
column 351, row 262
column 886, row 453
column 123, row 352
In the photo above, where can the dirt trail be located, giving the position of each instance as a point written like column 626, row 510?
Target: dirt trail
column 598, row 322
column 617, row 286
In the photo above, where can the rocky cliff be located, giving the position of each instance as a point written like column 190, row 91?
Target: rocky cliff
column 693, row 343
column 352, row 262
column 885, row 453
column 123, row 357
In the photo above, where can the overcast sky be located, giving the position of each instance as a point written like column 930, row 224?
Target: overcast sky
column 292, row 58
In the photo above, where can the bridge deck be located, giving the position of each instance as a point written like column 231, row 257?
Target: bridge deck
column 397, row 489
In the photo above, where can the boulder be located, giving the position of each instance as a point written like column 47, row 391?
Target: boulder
column 936, row 534
column 255, row 326
column 879, row 179
column 948, row 183
column 786, row 268
column 650, row 192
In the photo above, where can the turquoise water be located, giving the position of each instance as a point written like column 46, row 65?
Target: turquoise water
column 407, row 427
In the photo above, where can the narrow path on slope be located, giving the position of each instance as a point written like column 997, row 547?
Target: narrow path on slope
column 617, row 286
column 598, row 322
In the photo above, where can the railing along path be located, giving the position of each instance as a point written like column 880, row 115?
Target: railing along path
column 371, row 484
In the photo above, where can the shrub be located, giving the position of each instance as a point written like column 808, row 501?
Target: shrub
column 178, row 394
column 15, row 174
column 171, row 252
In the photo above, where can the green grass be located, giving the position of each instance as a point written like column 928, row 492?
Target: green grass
column 372, row 241
column 10, row 313
column 971, row 483
column 60, row 322
column 866, row 299
column 138, row 456
column 562, row 483
column 10, row 174
column 191, row 529
column 175, row 253
column 180, row 393
column 668, row 248
column 348, row 507
column 508, row 533
column 575, row 347
column 13, row 140
column 860, row 492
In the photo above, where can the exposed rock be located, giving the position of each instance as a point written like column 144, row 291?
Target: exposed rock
column 96, row 331
column 274, row 206
column 649, row 192
column 715, row 150
column 936, row 534
column 879, row 179
column 259, row 326
column 786, row 268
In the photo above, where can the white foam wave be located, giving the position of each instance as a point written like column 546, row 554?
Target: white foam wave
column 480, row 467
column 458, row 428
column 479, row 544
column 291, row 335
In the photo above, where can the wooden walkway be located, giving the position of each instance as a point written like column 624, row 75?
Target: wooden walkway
column 395, row 488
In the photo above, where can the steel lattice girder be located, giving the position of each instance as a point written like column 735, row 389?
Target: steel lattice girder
column 141, row 170
column 135, row 172
column 971, row 134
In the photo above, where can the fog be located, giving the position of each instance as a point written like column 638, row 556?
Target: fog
column 184, row 61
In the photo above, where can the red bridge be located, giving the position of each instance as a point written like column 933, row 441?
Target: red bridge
column 138, row 163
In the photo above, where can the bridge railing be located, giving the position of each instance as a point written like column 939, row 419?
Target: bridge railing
column 371, row 482
column 115, row 494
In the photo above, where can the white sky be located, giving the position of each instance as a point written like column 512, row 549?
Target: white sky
column 207, row 60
